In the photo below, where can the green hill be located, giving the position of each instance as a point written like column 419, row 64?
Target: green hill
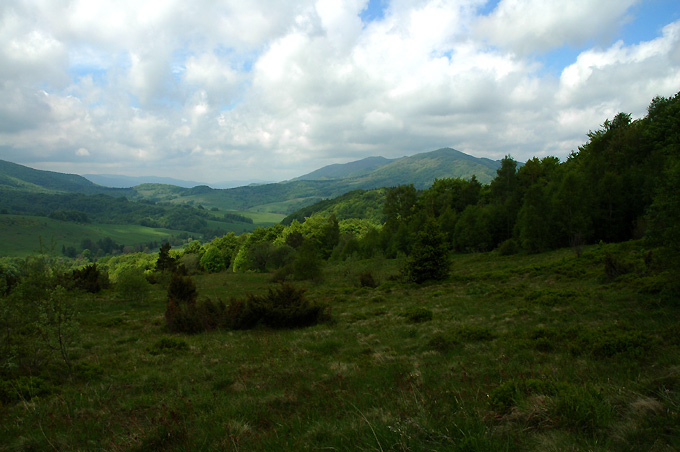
column 358, row 168
column 24, row 178
column 329, row 182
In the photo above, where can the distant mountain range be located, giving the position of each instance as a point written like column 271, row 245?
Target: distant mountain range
column 121, row 181
column 284, row 197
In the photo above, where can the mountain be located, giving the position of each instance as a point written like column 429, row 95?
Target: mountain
column 281, row 198
column 21, row 177
column 420, row 170
column 358, row 168
column 121, row 181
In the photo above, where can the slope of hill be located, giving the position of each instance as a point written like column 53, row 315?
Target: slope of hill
column 422, row 169
column 24, row 178
column 121, row 181
column 349, row 170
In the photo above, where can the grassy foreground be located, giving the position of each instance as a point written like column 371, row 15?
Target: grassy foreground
column 536, row 353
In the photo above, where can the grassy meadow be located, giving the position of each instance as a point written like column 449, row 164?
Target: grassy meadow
column 527, row 352
column 22, row 235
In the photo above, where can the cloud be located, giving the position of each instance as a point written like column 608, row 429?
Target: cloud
column 234, row 90
column 528, row 26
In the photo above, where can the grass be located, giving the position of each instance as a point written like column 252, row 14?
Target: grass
column 22, row 234
column 527, row 353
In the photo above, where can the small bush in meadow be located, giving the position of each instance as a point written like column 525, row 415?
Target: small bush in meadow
column 132, row 284
column 417, row 314
column 366, row 280
column 287, row 307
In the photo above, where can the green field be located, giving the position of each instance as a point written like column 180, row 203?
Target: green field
column 22, row 235
column 519, row 353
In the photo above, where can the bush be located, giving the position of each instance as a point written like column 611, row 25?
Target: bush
column 90, row 279
column 366, row 280
column 132, row 284
column 24, row 388
column 418, row 314
column 613, row 267
column 509, row 247
column 308, row 264
column 286, row 307
column 180, row 311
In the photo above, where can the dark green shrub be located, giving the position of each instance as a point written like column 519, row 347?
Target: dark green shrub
column 88, row 371
column 614, row 267
column 308, row 264
column 286, row 307
column 366, row 280
column 282, row 273
column 132, row 284
column 468, row 333
column 417, row 314
column 180, row 311
column 240, row 315
column 24, row 388
column 165, row 262
column 508, row 248
column 90, row 279
column 442, row 343
column 551, row 297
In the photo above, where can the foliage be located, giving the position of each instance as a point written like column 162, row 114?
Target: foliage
column 132, row 285
column 90, row 278
column 417, row 314
column 286, row 307
column 39, row 320
column 429, row 259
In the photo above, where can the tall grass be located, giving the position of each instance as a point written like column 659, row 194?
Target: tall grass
column 538, row 352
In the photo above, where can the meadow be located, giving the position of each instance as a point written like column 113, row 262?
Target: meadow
column 544, row 352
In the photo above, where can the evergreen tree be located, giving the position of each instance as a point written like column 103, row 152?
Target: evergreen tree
column 429, row 258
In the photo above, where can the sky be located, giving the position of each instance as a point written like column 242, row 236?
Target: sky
column 233, row 90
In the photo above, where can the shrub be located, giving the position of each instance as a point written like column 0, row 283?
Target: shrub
column 90, row 279
column 474, row 333
column 441, row 343
column 24, row 388
column 132, row 284
column 240, row 315
column 418, row 314
column 614, row 267
column 509, row 247
column 308, row 264
column 366, row 280
column 180, row 310
column 286, row 307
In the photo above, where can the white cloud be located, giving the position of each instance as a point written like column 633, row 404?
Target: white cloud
column 210, row 90
column 527, row 26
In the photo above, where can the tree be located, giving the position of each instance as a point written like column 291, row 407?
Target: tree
column 429, row 258
column 165, row 261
